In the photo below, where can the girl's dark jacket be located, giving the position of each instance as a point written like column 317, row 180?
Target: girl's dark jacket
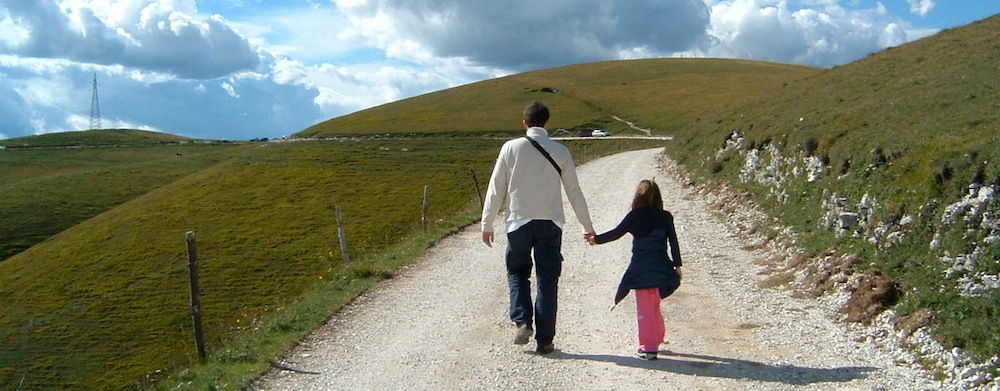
column 653, row 235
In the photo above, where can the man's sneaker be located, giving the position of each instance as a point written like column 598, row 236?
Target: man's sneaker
column 650, row 356
column 545, row 349
column 523, row 333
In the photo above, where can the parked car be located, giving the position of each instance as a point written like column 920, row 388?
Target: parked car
column 599, row 133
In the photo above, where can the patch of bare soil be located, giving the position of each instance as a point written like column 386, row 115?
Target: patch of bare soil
column 871, row 293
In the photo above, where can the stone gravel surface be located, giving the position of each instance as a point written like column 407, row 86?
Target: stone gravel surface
column 442, row 323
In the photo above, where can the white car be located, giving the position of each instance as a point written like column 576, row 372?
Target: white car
column 599, row 133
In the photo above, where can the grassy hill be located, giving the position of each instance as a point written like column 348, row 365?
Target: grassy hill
column 908, row 140
column 103, row 302
column 116, row 310
column 48, row 190
column 664, row 95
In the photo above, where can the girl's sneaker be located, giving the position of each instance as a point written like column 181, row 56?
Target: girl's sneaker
column 649, row 356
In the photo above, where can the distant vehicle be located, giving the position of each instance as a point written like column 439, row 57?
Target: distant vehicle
column 599, row 133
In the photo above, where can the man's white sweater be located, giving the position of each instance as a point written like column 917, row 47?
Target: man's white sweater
column 532, row 185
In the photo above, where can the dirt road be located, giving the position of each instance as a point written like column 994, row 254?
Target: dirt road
column 442, row 323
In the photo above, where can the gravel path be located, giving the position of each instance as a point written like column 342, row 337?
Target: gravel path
column 442, row 323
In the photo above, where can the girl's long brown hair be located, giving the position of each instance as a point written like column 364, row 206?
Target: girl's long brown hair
column 647, row 194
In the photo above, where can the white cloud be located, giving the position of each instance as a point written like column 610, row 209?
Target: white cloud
column 522, row 35
column 831, row 35
column 34, row 65
column 284, row 66
column 343, row 88
column 148, row 77
column 11, row 34
column 228, row 87
column 307, row 34
column 287, row 70
column 921, row 7
column 49, row 91
column 148, row 35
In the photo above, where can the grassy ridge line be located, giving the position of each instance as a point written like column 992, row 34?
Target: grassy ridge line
column 94, row 138
column 910, row 128
column 663, row 94
column 666, row 95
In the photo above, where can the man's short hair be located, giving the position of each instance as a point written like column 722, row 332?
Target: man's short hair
column 536, row 114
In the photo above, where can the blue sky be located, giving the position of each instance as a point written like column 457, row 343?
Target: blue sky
column 243, row 69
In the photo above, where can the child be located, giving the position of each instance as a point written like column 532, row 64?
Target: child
column 651, row 273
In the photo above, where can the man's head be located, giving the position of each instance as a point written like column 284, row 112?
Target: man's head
column 536, row 114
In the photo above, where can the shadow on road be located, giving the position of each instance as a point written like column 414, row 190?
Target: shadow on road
column 721, row 367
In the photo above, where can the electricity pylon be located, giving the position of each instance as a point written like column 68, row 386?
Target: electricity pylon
column 95, row 107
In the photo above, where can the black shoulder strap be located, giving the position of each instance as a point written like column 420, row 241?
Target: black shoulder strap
column 546, row 154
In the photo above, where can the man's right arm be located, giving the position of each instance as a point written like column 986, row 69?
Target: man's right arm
column 494, row 196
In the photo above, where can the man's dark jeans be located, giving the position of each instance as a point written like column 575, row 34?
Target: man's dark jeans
column 544, row 238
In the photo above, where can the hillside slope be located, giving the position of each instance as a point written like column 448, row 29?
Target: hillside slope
column 660, row 94
column 894, row 158
column 105, row 303
column 50, row 189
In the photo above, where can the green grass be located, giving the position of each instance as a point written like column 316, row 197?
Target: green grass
column 100, row 299
column 912, row 127
column 105, row 303
column 47, row 191
column 266, row 228
column 250, row 351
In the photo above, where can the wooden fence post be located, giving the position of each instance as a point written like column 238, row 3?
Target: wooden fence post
column 479, row 192
column 199, row 332
column 423, row 216
column 343, row 238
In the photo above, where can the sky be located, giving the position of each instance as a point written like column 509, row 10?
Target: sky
column 249, row 69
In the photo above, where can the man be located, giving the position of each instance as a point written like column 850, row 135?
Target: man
column 531, row 182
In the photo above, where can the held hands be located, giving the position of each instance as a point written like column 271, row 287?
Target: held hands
column 587, row 237
column 591, row 239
